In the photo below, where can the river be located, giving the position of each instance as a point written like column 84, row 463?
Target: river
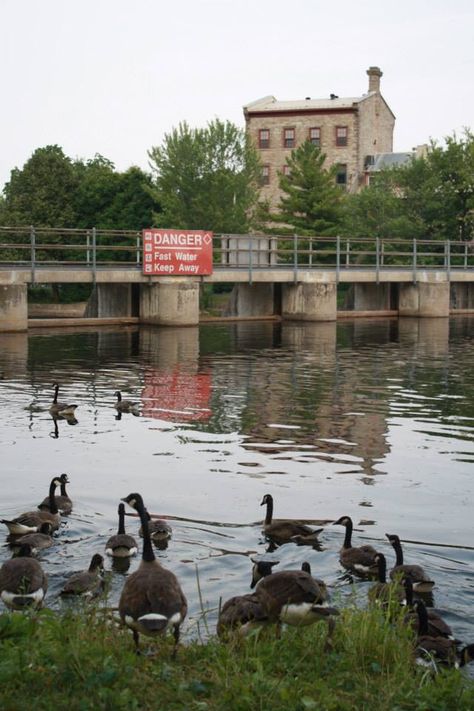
column 368, row 418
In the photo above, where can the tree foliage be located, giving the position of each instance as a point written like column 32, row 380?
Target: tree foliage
column 52, row 190
column 206, row 178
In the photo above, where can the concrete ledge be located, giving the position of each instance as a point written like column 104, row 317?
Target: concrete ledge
column 49, row 322
column 387, row 313
column 57, row 310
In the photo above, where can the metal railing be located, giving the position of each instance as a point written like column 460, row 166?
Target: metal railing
column 94, row 249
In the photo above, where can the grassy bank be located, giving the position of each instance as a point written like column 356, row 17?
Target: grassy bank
column 85, row 661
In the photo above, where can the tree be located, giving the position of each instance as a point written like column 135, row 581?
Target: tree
column 42, row 192
column 206, row 178
column 312, row 202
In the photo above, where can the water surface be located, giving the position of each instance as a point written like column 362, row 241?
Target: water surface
column 373, row 419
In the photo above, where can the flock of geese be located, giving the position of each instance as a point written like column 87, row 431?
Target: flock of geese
column 152, row 601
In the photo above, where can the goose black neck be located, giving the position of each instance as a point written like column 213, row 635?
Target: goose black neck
column 382, row 569
column 63, row 489
column 422, row 618
column 397, row 547
column 52, row 498
column 121, row 515
column 56, row 390
column 269, row 514
column 408, row 584
column 348, row 536
column 119, row 396
column 147, row 553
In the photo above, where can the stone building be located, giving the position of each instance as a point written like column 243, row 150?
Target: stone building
column 350, row 131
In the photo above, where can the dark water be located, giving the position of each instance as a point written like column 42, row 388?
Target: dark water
column 373, row 419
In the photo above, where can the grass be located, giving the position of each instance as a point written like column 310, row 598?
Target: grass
column 85, row 661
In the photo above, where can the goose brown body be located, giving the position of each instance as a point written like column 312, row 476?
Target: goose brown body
column 360, row 559
column 61, row 409
column 281, row 531
column 23, row 583
column 31, row 521
column 152, row 600
column 435, row 625
column 290, row 596
column 88, row 583
column 243, row 613
column 38, row 541
column 421, row 581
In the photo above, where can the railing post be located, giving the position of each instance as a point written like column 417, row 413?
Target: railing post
column 250, row 260
column 338, row 258
column 377, row 259
column 88, row 244
column 295, row 257
column 33, row 252
column 348, row 252
column 465, row 255
column 414, row 260
column 94, row 254
column 382, row 253
column 448, row 258
column 138, row 248
column 310, row 251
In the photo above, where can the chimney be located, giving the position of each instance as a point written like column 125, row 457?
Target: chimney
column 374, row 78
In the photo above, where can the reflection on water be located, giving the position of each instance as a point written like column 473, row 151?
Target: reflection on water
column 331, row 419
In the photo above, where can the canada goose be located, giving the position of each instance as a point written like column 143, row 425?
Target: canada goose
column 430, row 650
column 87, row 583
column 23, row 582
column 126, row 405
column 285, row 531
column 152, row 600
column 30, row 521
column 158, row 529
column 421, row 582
column 290, row 596
column 63, row 501
column 38, row 541
column 383, row 592
column 61, row 409
column 242, row 613
column 121, row 545
column 437, row 627
column 358, row 560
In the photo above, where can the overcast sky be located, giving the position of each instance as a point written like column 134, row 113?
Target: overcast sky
column 113, row 76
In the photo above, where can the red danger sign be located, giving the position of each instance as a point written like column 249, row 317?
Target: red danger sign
column 177, row 252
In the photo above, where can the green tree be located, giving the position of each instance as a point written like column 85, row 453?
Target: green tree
column 42, row 192
column 206, row 178
column 311, row 203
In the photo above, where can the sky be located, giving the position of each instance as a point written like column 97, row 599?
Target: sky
column 114, row 76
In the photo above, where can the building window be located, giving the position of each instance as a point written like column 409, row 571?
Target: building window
column 288, row 138
column 341, row 135
column 265, row 175
column 315, row 136
column 341, row 174
column 285, row 169
column 264, row 138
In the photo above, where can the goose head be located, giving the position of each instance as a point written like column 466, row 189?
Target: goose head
column 267, row 499
column 134, row 500
column 261, row 568
column 343, row 521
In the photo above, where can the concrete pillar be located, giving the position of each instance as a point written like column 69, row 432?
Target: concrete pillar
column 309, row 302
column 251, row 300
column 170, row 302
column 317, row 340
column 110, row 301
column 424, row 299
column 462, row 295
column 13, row 307
column 371, row 297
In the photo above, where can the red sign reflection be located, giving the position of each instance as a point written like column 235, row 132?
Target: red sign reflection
column 176, row 395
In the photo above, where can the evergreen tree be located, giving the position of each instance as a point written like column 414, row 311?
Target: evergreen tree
column 311, row 203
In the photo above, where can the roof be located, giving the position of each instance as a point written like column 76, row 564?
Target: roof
column 389, row 160
column 270, row 103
